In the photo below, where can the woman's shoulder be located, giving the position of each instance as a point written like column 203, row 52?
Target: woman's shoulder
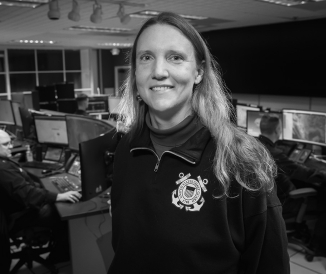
column 253, row 202
column 257, row 202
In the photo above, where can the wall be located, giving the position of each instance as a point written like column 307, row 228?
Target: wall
column 282, row 59
column 106, row 66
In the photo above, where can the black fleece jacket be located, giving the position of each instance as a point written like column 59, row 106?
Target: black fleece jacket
column 166, row 220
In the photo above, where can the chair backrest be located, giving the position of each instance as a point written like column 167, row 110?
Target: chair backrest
column 5, row 256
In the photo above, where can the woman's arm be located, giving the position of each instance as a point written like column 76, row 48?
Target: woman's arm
column 266, row 240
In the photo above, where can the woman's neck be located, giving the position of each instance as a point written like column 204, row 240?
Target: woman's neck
column 168, row 122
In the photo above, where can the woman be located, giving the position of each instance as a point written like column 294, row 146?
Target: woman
column 191, row 193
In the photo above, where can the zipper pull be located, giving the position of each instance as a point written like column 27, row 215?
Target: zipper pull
column 156, row 166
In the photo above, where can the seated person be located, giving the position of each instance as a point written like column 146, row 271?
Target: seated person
column 270, row 128
column 30, row 205
column 82, row 104
column 288, row 170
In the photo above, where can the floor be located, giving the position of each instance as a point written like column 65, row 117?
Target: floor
column 298, row 264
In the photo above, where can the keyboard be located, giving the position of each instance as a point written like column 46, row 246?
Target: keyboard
column 64, row 185
column 43, row 165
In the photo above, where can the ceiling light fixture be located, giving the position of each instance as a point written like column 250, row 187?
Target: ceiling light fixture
column 25, row 41
column 54, row 11
column 74, row 14
column 96, row 29
column 124, row 18
column 96, row 16
column 290, row 3
column 115, row 51
column 151, row 13
column 120, row 45
column 24, row 4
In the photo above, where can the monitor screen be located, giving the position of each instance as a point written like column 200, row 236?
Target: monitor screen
column 241, row 113
column 18, row 97
column 65, row 90
column 6, row 113
column 15, row 108
column 53, row 154
column 95, row 166
column 46, row 93
column 83, row 128
column 304, row 126
column 67, row 105
column 51, row 130
column 253, row 121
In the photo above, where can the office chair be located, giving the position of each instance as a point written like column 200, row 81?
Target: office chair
column 297, row 230
column 27, row 245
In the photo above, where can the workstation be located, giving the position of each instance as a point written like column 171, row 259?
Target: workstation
column 69, row 152
column 302, row 137
column 264, row 75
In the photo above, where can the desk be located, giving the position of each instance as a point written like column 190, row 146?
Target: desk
column 313, row 163
column 90, row 231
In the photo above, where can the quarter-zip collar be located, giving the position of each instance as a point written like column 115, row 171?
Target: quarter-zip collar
column 191, row 150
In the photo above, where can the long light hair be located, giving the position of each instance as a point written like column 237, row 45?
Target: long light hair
column 238, row 156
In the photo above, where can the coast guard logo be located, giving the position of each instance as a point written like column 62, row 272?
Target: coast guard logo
column 189, row 193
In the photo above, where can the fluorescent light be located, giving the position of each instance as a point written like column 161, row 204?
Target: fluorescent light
column 290, row 3
column 119, row 45
column 25, row 41
column 96, row 29
column 151, row 13
column 24, row 4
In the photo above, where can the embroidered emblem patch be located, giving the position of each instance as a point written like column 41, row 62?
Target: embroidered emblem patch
column 189, row 193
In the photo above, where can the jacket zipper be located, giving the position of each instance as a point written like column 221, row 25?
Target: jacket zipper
column 159, row 159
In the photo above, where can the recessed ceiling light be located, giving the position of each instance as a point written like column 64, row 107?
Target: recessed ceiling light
column 25, row 41
column 151, row 13
column 290, row 3
column 96, row 29
column 23, row 3
column 119, row 45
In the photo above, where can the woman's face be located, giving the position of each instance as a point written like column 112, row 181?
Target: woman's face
column 166, row 72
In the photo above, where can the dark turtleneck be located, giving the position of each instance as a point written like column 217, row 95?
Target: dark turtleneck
column 166, row 139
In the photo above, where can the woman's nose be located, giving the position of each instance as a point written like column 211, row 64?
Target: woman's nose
column 160, row 69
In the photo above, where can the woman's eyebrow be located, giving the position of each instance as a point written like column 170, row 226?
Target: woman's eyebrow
column 141, row 52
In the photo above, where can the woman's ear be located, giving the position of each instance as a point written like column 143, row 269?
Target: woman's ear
column 200, row 74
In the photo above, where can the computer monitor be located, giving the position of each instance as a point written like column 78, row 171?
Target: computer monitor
column 27, row 124
column 32, row 100
column 18, row 97
column 51, row 130
column 46, row 93
column 7, row 116
column 95, row 165
column 67, row 105
column 304, row 126
column 97, row 105
column 253, row 121
column 65, row 90
column 241, row 113
column 113, row 106
column 18, row 120
column 83, row 128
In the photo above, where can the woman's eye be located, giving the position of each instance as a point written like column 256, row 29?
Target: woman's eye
column 145, row 58
column 176, row 58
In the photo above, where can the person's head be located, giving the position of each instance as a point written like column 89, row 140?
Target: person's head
column 270, row 127
column 5, row 144
column 173, row 72
column 82, row 101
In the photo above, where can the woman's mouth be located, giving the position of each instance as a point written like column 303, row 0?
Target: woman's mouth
column 161, row 88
